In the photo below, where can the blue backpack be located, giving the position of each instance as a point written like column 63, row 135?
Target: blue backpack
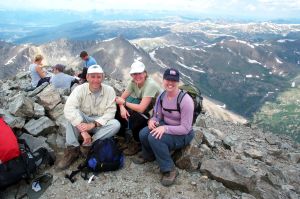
column 103, row 156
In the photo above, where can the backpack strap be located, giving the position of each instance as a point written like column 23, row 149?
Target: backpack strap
column 179, row 99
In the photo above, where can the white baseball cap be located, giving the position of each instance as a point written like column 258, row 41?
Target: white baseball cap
column 137, row 67
column 94, row 69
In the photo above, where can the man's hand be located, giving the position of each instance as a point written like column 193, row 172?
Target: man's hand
column 152, row 124
column 158, row 132
column 124, row 113
column 87, row 139
column 120, row 100
column 83, row 127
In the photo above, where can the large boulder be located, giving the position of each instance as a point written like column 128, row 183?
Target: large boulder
column 49, row 98
column 22, row 106
column 232, row 175
column 12, row 121
column 40, row 126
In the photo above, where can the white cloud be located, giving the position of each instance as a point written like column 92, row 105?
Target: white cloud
column 266, row 8
column 251, row 7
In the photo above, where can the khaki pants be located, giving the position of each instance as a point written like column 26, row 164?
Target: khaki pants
column 106, row 131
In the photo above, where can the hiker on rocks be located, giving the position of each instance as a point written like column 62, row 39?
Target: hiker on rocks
column 90, row 111
column 37, row 72
column 168, row 129
column 135, row 103
column 60, row 79
column 88, row 61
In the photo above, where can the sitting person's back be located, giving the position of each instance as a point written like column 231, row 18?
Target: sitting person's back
column 37, row 73
column 60, row 79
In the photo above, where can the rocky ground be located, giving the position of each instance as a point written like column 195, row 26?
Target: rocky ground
column 225, row 160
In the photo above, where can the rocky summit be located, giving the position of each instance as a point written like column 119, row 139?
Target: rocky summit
column 225, row 159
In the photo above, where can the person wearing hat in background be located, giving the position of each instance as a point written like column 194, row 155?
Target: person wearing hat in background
column 88, row 61
column 135, row 103
column 168, row 129
column 60, row 79
column 37, row 73
column 90, row 110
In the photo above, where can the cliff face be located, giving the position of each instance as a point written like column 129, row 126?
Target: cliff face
column 226, row 159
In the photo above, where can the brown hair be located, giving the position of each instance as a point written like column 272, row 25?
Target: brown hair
column 38, row 58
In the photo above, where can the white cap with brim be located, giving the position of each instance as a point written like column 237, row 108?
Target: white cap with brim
column 94, row 69
column 137, row 67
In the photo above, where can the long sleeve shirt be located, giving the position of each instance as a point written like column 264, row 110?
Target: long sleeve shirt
column 176, row 123
column 101, row 106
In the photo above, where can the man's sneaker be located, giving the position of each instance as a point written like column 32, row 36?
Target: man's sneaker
column 169, row 177
column 139, row 159
column 70, row 155
column 85, row 150
column 133, row 148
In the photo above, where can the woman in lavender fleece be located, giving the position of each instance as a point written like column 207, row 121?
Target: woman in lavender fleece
column 168, row 129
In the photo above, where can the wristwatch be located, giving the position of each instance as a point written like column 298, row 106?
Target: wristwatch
column 96, row 124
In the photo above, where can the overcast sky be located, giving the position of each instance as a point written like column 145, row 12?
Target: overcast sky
column 251, row 8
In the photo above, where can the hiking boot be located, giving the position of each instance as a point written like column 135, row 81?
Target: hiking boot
column 133, row 148
column 85, row 150
column 141, row 160
column 70, row 155
column 122, row 144
column 169, row 177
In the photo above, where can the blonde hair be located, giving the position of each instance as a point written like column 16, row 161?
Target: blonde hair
column 38, row 58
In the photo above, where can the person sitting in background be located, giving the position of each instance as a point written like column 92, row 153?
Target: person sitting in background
column 60, row 79
column 168, row 129
column 135, row 103
column 37, row 73
column 88, row 61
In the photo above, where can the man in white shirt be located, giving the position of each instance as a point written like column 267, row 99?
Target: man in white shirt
column 90, row 111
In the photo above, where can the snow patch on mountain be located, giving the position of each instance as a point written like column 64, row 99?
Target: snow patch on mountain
column 244, row 42
column 285, row 40
column 189, row 68
column 10, row 61
column 252, row 61
column 278, row 60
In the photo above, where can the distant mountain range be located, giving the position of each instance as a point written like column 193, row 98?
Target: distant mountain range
column 241, row 65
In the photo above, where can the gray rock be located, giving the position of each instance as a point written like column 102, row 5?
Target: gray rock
column 21, row 75
column 60, row 141
column 294, row 157
column 188, row 158
column 49, row 97
column 272, row 140
column 209, row 139
column 253, row 153
column 247, row 196
column 22, row 107
column 62, row 123
column 51, row 139
column 232, row 175
column 57, row 111
column 200, row 122
column 230, row 141
column 223, row 196
column 264, row 190
column 216, row 132
column 41, row 126
column 37, row 90
column 35, row 143
column 12, row 121
column 39, row 110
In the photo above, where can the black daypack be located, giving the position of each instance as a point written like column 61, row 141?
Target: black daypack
column 103, row 156
column 24, row 166
column 194, row 93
